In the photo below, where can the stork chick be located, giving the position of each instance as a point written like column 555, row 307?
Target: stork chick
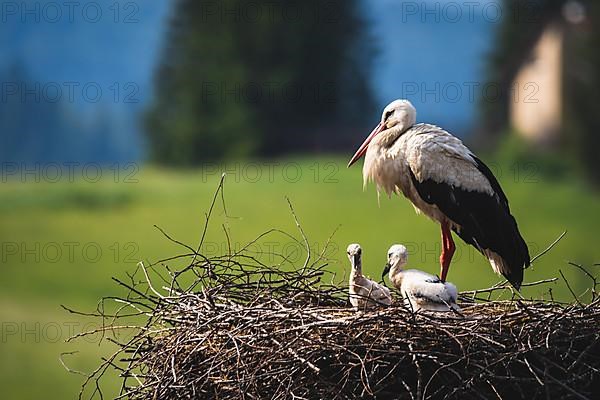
column 364, row 293
column 421, row 291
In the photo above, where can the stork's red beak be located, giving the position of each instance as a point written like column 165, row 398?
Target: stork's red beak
column 363, row 147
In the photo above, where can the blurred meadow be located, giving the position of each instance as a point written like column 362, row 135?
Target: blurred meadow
column 85, row 182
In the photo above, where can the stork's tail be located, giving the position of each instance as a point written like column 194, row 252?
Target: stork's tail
column 509, row 254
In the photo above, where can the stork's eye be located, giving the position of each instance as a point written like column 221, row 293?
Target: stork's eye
column 387, row 115
column 390, row 255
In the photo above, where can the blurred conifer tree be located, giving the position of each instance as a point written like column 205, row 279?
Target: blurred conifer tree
column 265, row 77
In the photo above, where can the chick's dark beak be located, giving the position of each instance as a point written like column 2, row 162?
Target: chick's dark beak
column 386, row 269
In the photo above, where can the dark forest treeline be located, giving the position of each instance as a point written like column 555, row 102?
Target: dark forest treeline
column 245, row 78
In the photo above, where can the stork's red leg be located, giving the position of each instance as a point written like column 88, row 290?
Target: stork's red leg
column 447, row 250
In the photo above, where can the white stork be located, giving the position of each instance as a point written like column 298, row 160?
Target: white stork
column 421, row 291
column 448, row 183
column 364, row 293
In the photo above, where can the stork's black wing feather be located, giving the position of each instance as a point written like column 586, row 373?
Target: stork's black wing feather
column 484, row 221
column 434, row 279
column 493, row 181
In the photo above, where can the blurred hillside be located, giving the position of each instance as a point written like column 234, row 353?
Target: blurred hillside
column 75, row 77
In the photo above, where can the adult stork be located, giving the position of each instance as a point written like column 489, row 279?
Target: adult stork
column 444, row 180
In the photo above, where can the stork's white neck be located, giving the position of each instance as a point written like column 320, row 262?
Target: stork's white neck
column 387, row 138
column 384, row 160
column 396, row 274
column 356, row 269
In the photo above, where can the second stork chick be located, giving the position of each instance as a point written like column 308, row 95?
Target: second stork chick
column 364, row 293
column 421, row 291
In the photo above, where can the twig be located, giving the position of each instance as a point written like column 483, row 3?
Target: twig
column 569, row 287
column 549, row 247
column 307, row 245
column 208, row 215
column 495, row 288
column 62, row 362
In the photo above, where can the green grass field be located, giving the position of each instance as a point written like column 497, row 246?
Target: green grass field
column 62, row 242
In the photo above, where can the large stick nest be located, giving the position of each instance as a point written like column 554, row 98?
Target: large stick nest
column 233, row 327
